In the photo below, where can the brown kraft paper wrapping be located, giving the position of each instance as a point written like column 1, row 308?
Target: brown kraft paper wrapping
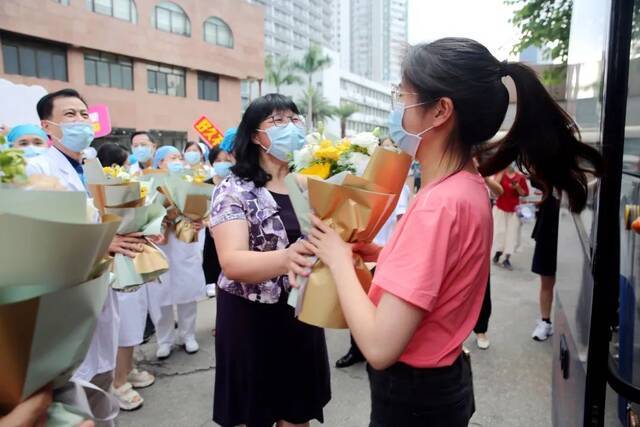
column 357, row 209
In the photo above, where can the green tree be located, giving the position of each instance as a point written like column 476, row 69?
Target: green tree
column 547, row 24
column 343, row 112
column 312, row 61
column 280, row 71
column 315, row 107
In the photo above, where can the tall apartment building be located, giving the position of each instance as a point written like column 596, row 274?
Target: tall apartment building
column 293, row 25
column 365, row 39
column 378, row 38
column 158, row 65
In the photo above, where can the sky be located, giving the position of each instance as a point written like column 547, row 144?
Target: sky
column 486, row 21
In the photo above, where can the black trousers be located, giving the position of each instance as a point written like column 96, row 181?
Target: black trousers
column 404, row 396
column 482, row 325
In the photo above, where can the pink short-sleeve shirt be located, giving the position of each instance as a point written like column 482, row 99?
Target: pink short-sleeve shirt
column 438, row 260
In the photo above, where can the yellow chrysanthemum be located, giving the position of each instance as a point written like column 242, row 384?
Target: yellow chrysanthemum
column 326, row 143
column 143, row 191
column 321, row 170
column 329, row 153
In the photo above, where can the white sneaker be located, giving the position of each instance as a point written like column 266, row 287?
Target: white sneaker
column 211, row 290
column 163, row 352
column 482, row 341
column 191, row 345
column 542, row 331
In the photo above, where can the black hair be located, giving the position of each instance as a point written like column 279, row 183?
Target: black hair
column 543, row 139
column 141, row 132
column 246, row 152
column 45, row 105
column 214, row 152
column 111, row 154
column 190, row 143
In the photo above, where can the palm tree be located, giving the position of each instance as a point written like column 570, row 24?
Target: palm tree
column 344, row 111
column 280, row 71
column 312, row 61
column 320, row 108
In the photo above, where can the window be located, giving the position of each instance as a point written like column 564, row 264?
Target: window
column 216, row 31
column 208, row 85
column 121, row 9
column 171, row 18
column 166, row 80
column 107, row 70
column 30, row 57
column 62, row 2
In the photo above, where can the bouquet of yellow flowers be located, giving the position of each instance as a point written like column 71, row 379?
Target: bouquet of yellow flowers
column 355, row 197
column 322, row 157
column 138, row 203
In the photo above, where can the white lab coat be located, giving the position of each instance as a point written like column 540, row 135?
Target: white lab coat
column 101, row 356
column 401, row 208
column 184, row 282
column 133, row 307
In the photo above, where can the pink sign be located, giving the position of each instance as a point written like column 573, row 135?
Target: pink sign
column 100, row 119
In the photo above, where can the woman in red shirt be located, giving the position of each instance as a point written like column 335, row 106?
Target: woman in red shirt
column 505, row 219
column 431, row 276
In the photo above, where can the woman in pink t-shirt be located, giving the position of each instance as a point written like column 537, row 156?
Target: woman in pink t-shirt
column 431, row 275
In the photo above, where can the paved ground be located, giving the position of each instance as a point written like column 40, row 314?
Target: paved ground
column 512, row 379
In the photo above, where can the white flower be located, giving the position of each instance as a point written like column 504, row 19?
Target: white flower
column 366, row 140
column 313, row 138
column 303, row 157
column 357, row 161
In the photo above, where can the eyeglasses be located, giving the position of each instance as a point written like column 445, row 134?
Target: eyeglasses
column 280, row 120
column 396, row 95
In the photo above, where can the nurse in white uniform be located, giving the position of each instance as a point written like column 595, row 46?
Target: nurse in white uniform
column 132, row 308
column 29, row 138
column 183, row 285
column 65, row 119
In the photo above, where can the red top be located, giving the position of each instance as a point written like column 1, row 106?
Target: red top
column 510, row 198
column 438, row 260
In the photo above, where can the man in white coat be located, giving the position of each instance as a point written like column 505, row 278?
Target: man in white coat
column 65, row 118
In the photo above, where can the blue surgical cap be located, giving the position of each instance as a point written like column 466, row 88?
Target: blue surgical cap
column 21, row 130
column 163, row 152
column 229, row 138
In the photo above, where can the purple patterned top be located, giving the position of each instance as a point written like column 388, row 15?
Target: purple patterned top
column 235, row 199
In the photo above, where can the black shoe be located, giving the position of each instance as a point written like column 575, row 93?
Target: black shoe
column 349, row 359
column 507, row 264
column 496, row 257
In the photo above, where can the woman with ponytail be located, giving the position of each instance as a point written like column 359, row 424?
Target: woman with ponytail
column 431, row 276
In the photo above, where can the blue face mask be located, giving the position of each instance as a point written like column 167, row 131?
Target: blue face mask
column 142, row 153
column 284, row 141
column 76, row 136
column 33, row 151
column 192, row 157
column 407, row 142
column 175, row 166
column 222, row 169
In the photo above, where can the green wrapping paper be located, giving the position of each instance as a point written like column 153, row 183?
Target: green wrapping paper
column 46, row 345
column 192, row 200
column 51, row 254
column 148, row 265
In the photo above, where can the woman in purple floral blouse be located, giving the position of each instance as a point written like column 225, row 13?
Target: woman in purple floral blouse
column 270, row 368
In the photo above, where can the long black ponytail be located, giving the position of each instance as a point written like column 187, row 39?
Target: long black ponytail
column 543, row 140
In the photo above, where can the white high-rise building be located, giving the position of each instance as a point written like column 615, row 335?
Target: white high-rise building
column 378, row 37
column 291, row 26
column 365, row 40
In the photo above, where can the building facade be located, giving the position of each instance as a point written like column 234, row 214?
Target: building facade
column 293, row 25
column 378, row 30
column 340, row 86
column 158, row 65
